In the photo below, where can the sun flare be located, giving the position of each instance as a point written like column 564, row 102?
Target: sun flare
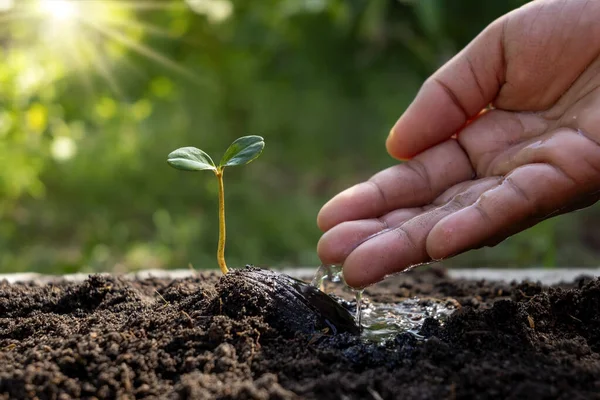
column 91, row 38
column 60, row 10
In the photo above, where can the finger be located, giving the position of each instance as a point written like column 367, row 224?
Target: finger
column 545, row 179
column 337, row 243
column 529, row 192
column 450, row 97
column 399, row 248
column 407, row 185
column 511, row 230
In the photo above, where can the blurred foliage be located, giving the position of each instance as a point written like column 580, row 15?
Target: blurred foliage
column 95, row 94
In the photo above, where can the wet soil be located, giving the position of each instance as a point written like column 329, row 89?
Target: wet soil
column 217, row 338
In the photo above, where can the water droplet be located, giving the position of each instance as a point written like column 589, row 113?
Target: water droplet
column 358, row 315
column 331, row 272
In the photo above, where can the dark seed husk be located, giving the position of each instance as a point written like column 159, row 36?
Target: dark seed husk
column 288, row 304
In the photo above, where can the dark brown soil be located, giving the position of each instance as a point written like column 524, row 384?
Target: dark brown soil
column 195, row 338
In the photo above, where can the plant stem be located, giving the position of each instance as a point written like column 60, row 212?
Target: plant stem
column 222, row 234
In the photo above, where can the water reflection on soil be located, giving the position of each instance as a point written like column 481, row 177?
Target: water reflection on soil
column 384, row 321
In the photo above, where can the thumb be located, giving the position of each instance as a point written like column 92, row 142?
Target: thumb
column 452, row 96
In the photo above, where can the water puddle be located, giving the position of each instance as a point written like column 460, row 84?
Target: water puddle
column 380, row 322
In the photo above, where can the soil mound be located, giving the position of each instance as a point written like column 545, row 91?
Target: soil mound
column 111, row 338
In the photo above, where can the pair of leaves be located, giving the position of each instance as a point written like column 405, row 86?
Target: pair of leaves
column 243, row 151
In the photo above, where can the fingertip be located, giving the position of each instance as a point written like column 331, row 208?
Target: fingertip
column 332, row 249
column 324, row 251
column 333, row 212
column 355, row 278
column 432, row 118
column 353, row 203
column 394, row 148
column 361, row 267
column 375, row 259
column 336, row 244
column 323, row 220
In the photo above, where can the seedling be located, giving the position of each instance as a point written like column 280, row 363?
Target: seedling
column 241, row 152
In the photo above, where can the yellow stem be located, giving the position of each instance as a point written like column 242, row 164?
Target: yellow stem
column 222, row 235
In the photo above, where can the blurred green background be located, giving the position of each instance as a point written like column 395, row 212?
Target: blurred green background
column 95, row 93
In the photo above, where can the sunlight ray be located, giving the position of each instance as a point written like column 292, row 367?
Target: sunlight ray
column 103, row 68
column 133, row 68
column 74, row 54
column 146, row 28
column 142, row 5
column 108, row 19
column 144, row 50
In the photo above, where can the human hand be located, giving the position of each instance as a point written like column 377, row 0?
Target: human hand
column 472, row 178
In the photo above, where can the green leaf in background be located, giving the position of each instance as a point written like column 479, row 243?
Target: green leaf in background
column 243, row 151
column 190, row 159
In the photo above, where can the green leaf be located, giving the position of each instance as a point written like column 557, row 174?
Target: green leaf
column 243, row 151
column 191, row 159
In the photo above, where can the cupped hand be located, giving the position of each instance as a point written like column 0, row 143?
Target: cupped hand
column 474, row 178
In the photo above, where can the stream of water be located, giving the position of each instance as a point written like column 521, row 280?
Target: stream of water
column 383, row 321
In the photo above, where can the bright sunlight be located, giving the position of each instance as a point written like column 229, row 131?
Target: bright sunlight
column 61, row 10
column 97, row 35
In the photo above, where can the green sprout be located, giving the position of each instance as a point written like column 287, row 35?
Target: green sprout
column 241, row 152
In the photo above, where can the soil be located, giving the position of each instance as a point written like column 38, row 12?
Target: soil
column 213, row 337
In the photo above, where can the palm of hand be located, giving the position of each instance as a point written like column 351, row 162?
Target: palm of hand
column 535, row 156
